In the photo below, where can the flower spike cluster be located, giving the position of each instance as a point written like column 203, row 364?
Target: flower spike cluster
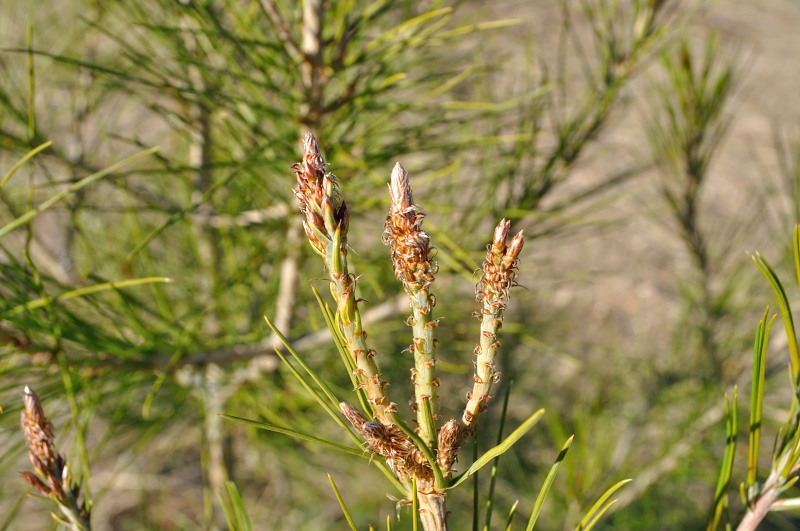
column 427, row 456
column 52, row 478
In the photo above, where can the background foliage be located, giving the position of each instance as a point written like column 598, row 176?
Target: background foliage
column 601, row 128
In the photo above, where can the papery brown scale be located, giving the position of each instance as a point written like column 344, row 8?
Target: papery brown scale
column 34, row 481
column 56, row 488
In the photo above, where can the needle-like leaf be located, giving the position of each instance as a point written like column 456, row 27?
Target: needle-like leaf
column 339, row 498
column 501, row 448
column 548, row 482
column 599, row 508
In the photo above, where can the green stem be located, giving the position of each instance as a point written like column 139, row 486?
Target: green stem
column 425, row 382
column 485, row 374
column 349, row 319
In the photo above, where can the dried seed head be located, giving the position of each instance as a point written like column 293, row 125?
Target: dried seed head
column 410, row 245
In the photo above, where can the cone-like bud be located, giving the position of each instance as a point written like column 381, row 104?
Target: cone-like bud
column 39, row 436
column 318, row 195
column 52, row 478
column 448, row 444
column 353, row 416
column 410, row 244
column 500, row 268
column 401, row 454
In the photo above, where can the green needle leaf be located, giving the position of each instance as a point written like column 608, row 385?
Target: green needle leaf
column 314, row 376
column 598, row 509
column 297, row 435
column 492, row 483
column 414, row 505
column 29, row 155
column 32, row 213
column 82, row 292
column 347, row 360
column 511, row 514
column 731, row 430
column 233, row 506
column 786, row 312
column 757, row 396
column 501, row 448
column 548, row 482
column 342, row 504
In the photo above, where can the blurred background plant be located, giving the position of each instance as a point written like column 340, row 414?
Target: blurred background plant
column 517, row 112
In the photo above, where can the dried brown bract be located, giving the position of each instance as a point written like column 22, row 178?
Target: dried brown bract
column 400, row 452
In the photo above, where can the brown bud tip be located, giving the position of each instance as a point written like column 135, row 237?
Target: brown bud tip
column 400, row 190
column 33, row 407
column 310, row 145
column 516, row 246
column 353, row 416
column 38, row 434
column 501, row 235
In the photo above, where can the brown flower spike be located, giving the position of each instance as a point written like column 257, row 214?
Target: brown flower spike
column 410, row 244
column 410, row 250
column 499, row 274
column 497, row 278
column 52, row 478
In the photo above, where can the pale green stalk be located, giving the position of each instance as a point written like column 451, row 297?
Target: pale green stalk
column 499, row 271
column 413, row 267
